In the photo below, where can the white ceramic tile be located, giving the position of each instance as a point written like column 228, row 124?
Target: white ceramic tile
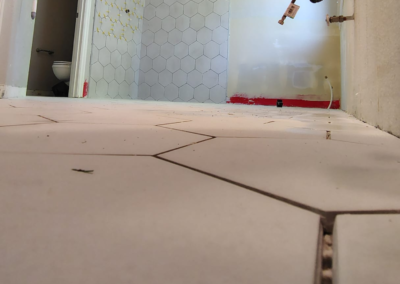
column 175, row 37
column 167, row 50
column 221, row 7
column 161, row 37
column 224, row 49
column 113, row 89
column 159, row 64
column 92, row 88
column 168, row 24
column 104, row 56
column 120, row 74
column 162, row 11
column 122, row 46
column 157, row 92
column 366, row 249
column 144, row 91
column 135, row 63
column 154, row 24
column 202, row 93
column 99, row 40
column 191, row 9
column 97, row 71
column 186, row 93
column 109, row 73
column 197, row 22
column 171, row 92
column 111, row 43
column 203, row 64
column 130, row 76
column 71, row 226
column 220, row 35
column 222, row 79
column 195, row 78
column 147, row 37
column 126, row 61
column 124, row 90
column 116, row 58
column 179, row 78
column 165, row 78
column 151, row 78
column 189, row 36
column 210, row 79
column 149, row 12
column 143, row 50
column 176, row 10
column 153, row 50
column 213, row 21
column 218, row 64
column 146, row 64
column 204, row 35
column 102, row 88
column 94, row 57
column 156, row 3
column 218, row 94
column 181, row 50
column 182, row 23
column 173, row 64
column 225, row 21
column 196, row 50
column 188, row 64
column 206, row 7
column 211, row 50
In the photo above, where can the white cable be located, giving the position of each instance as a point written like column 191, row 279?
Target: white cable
column 330, row 86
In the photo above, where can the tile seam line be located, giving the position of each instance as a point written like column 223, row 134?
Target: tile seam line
column 30, row 124
column 252, row 189
column 185, row 146
column 48, row 118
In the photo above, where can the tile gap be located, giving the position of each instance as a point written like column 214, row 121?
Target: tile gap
column 186, row 131
column 264, row 193
column 48, row 118
column 191, row 144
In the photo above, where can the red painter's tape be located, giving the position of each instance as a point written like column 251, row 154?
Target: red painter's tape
column 244, row 99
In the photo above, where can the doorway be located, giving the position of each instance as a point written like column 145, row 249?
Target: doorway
column 53, row 40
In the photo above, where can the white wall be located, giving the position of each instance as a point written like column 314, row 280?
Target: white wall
column 115, row 51
column 15, row 50
column 371, row 63
column 290, row 62
column 54, row 30
column 184, row 51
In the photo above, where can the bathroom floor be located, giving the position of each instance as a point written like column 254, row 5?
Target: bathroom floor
column 155, row 192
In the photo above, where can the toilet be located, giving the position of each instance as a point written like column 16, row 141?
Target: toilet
column 62, row 70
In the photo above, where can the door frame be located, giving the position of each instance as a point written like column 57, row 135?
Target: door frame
column 80, row 67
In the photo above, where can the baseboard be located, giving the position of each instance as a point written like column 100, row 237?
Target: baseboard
column 38, row 93
column 14, row 92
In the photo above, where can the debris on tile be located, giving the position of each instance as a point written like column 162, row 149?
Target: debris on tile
column 328, row 135
column 83, row 171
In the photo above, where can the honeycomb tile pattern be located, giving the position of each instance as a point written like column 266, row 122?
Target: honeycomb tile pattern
column 115, row 59
column 184, row 53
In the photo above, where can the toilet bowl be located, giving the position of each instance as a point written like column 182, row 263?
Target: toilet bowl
column 62, row 70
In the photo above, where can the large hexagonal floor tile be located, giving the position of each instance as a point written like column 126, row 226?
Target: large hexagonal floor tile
column 143, row 220
column 93, row 139
column 328, row 175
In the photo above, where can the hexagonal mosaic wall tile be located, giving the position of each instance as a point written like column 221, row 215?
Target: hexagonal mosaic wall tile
column 115, row 59
column 184, row 53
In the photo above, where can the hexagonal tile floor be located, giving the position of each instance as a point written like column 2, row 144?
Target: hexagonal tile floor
column 221, row 193
column 143, row 220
